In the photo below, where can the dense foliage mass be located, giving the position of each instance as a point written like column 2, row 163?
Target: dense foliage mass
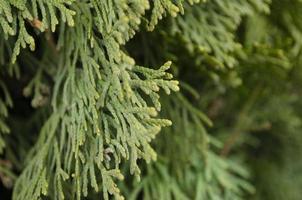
column 150, row 99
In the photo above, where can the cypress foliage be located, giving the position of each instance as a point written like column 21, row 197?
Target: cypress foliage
column 150, row 99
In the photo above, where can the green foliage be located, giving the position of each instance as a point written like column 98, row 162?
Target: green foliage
column 14, row 14
column 210, row 28
column 84, row 102
column 202, row 175
column 100, row 111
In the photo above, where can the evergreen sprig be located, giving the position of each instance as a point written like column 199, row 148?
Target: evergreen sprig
column 101, row 115
column 87, row 112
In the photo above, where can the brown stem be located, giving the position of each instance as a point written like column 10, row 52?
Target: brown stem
column 36, row 23
column 51, row 41
column 240, row 125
